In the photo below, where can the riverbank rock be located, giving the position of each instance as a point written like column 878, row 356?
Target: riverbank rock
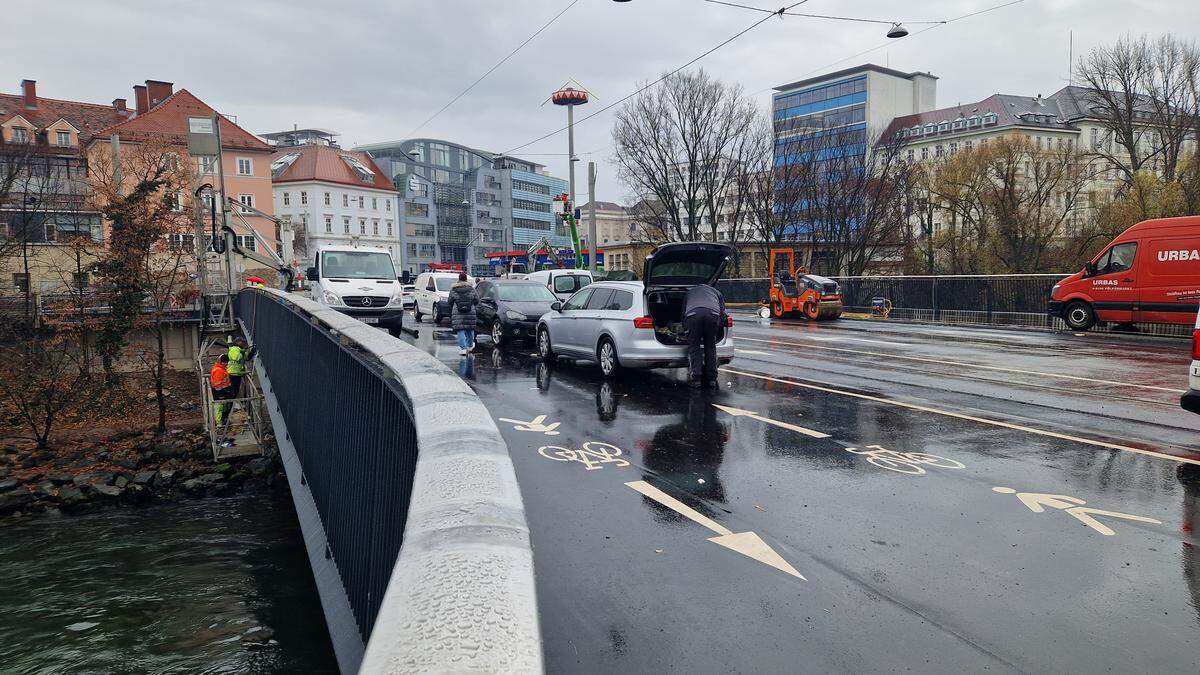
column 204, row 483
column 14, row 500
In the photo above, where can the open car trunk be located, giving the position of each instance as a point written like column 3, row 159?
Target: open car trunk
column 665, row 306
column 671, row 269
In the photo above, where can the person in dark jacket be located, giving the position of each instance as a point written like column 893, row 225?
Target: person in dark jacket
column 462, row 312
column 703, row 314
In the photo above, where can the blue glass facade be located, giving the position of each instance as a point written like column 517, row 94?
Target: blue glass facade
column 824, row 121
column 529, row 225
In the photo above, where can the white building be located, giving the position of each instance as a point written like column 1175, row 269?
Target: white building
column 333, row 196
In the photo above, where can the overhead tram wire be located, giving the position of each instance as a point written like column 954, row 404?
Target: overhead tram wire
column 756, row 24
column 493, row 68
column 890, row 43
column 820, row 16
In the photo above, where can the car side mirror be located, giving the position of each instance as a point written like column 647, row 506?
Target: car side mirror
column 557, row 307
column 311, row 274
column 1090, row 268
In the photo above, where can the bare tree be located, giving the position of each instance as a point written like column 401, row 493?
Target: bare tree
column 141, row 194
column 1010, row 205
column 844, row 193
column 169, row 291
column 1144, row 92
column 680, row 147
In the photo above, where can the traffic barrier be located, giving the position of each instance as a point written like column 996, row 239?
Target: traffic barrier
column 405, row 492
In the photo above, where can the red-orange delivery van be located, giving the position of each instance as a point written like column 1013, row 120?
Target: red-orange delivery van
column 1148, row 274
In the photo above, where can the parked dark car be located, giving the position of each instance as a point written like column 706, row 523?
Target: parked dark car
column 510, row 308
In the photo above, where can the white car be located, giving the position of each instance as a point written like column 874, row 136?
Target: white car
column 431, row 294
column 631, row 324
column 406, row 296
column 563, row 282
column 359, row 281
column 1191, row 400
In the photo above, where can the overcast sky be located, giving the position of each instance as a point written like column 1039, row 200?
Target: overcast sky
column 374, row 70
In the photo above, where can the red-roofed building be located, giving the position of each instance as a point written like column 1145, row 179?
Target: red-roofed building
column 333, row 197
column 163, row 116
column 43, row 188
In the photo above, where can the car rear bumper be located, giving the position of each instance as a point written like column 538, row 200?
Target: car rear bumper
column 1190, row 401
column 647, row 352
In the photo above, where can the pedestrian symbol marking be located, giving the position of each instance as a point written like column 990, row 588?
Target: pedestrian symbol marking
column 536, row 425
column 593, row 454
column 748, row 544
column 904, row 462
column 1072, row 506
column 738, row 412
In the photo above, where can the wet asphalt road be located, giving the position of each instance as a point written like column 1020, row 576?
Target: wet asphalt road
column 987, row 550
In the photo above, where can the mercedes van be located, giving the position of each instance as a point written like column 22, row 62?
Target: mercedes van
column 1148, row 274
column 358, row 281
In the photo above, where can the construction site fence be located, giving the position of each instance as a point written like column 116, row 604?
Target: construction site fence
column 1016, row 300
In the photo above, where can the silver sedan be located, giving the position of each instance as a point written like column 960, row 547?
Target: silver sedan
column 609, row 323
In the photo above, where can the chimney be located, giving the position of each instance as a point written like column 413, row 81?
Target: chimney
column 142, row 100
column 119, row 105
column 29, row 93
column 158, row 92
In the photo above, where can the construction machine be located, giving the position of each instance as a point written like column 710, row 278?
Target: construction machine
column 795, row 291
column 532, row 253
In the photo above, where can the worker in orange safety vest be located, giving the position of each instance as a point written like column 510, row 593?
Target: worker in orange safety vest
column 222, row 386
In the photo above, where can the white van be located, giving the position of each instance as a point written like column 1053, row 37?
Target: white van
column 360, row 282
column 563, row 282
column 431, row 294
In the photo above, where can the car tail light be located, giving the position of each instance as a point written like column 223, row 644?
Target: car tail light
column 728, row 321
column 643, row 322
column 1196, row 345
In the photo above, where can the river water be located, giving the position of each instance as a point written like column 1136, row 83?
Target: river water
column 218, row 585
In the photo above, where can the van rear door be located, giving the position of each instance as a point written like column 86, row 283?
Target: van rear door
column 1170, row 282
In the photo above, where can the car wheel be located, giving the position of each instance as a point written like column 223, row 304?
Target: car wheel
column 606, row 355
column 417, row 313
column 1079, row 315
column 544, row 348
column 497, row 333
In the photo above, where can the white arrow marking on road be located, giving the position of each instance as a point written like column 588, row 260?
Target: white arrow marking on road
column 738, row 412
column 748, row 544
column 753, row 351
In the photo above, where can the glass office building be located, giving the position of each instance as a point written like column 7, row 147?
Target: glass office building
column 457, row 204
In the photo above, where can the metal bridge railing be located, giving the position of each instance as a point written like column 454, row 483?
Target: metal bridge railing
column 415, row 503
column 997, row 299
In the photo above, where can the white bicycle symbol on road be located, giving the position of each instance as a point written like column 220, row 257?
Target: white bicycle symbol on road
column 593, row 454
column 904, row 462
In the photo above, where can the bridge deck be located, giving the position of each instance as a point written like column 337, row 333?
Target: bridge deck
column 978, row 551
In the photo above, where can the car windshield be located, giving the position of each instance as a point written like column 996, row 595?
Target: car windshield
column 525, row 293
column 358, row 265
column 445, row 283
column 569, row 283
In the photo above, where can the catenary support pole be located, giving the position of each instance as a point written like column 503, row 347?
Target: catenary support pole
column 592, row 242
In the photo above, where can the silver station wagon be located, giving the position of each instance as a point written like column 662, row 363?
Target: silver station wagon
column 636, row 324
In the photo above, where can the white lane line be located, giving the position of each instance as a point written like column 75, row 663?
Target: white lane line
column 753, row 351
column 965, row 365
column 852, row 339
column 970, row 418
column 980, row 333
